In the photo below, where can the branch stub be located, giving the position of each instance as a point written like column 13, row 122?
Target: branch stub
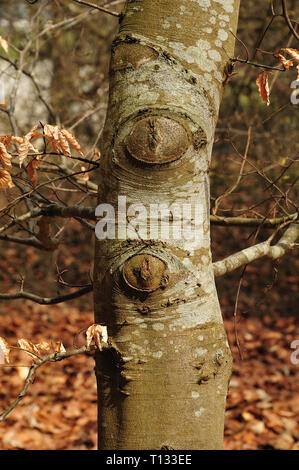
column 157, row 140
column 144, row 273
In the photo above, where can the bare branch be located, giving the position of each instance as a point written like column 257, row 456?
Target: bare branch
column 246, row 256
column 23, row 241
column 47, row 300
column 251, row 222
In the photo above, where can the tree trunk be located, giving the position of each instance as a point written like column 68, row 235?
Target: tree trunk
column 164, row 384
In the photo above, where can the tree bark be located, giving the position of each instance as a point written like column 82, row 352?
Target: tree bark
column 164, row 384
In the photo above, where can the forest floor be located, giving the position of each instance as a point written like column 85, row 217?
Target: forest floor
column 59, row 410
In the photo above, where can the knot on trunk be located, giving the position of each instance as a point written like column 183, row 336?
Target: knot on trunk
column 157, row 140
column 145, row 273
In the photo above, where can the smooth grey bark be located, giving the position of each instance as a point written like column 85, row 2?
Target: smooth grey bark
column 165, row 382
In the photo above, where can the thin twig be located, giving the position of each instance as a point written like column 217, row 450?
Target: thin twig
column 241, row 172
column 97, row 7
column 287, row 18
column 262, row 66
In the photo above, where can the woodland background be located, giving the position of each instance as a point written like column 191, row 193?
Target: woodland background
column 70, row 64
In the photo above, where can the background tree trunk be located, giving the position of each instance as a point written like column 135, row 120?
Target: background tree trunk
column 165, row 383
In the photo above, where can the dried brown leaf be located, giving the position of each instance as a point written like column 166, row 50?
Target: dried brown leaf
column 41, row 349
column 98, row 334
column 28, row 347
column 58, row 347
column 72, row 140
column 31, row 170
column 6, row 139
column 5, row 179
column 292, row 52
column 52, row 135
column 5, row 157
column 263, row 86
column 25, row 144
column 3, row 44
column 285, row 62
column 84, row 176
column 64, row 145
column 4, row 351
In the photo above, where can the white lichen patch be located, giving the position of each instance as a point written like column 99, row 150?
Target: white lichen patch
column 212, row 20
column 205, row 260
column 208, row 30
column 227, row 5
column 187, row 262
column 200, row 338
column 196, row 312
column 207, row 77
column 184, row 11
column 203, row 3
column 127, row 358
column 158, row 326
column 224, row 18
column 135, row 347
column 136, row 332
column 200, row 352
column 135, row 320
column 157, row 354
column 214, row 55
column 218, row 76
column 199, row 412
column 194, row 394
column 124, row 338
column 222, row 35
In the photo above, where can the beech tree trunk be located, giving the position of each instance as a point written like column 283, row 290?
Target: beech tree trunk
column 164, row 383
